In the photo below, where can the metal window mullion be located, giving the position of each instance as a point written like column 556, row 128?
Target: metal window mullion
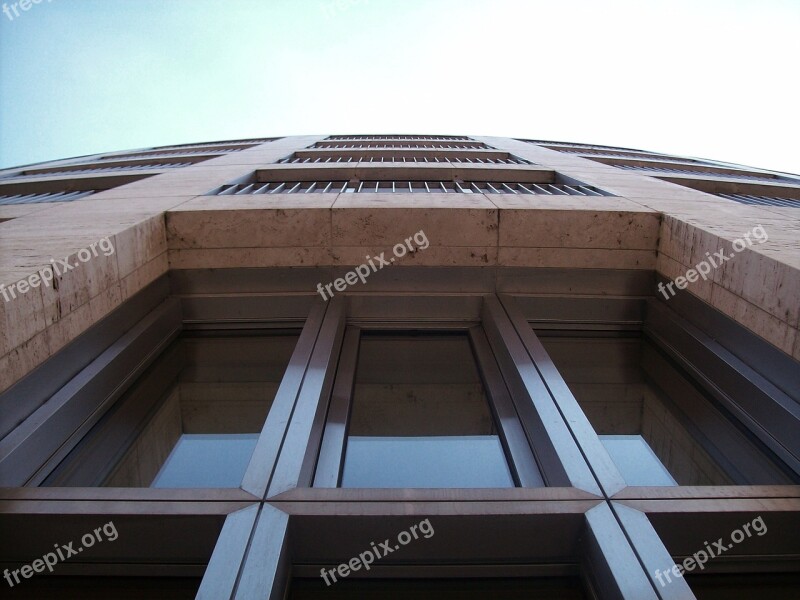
column 596, row 455
column 266, row 569
column 296, row 462
column 268, row 447
column 222, row 572
column 617, row 571
column 560, row 460
column 521, row 459
column 331, row 456
column 650, row 549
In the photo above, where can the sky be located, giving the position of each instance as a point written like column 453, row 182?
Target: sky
column 713, row 79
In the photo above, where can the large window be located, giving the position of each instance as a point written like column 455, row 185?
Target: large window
column 420, row 416
column 193, row 420
column 549, row 442
column 415, row 409
column 658, row 428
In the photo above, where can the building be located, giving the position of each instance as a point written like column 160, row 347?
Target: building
column 399, row 366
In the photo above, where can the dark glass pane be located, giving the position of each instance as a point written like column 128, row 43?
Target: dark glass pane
column 191, row 420
column 522, row 588
column 775, row 586
column 420, row 416
column 106, row 588
column 628, row 389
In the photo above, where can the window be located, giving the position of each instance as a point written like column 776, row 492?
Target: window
column 412, row 409
column 657, row 427
column 636, row 460
column 192, row 420
column 420, row 416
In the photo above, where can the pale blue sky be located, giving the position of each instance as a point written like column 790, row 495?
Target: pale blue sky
column 709, row 78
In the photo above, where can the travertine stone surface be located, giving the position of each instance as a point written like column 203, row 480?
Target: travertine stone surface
column 169, row 222
column 759, row 286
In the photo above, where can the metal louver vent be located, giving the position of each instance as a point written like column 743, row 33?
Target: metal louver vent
column 403, row 144
column 423, row 187
column 48, row 197
column 80, row 171
column 762, row 200
column 512, row 160
column 670, row 171
column 413, row 138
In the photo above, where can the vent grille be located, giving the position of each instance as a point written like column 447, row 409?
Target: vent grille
column 619, row 154
column 48, row 197
column 762, row 200
column 600, row 152
column 415, row 138
column 422, row 187
column 165, row 153
column 703, row 172
column 225, row 143
column 68, row 171
column 511, row 160
column 559, row 145
column 399, row 145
